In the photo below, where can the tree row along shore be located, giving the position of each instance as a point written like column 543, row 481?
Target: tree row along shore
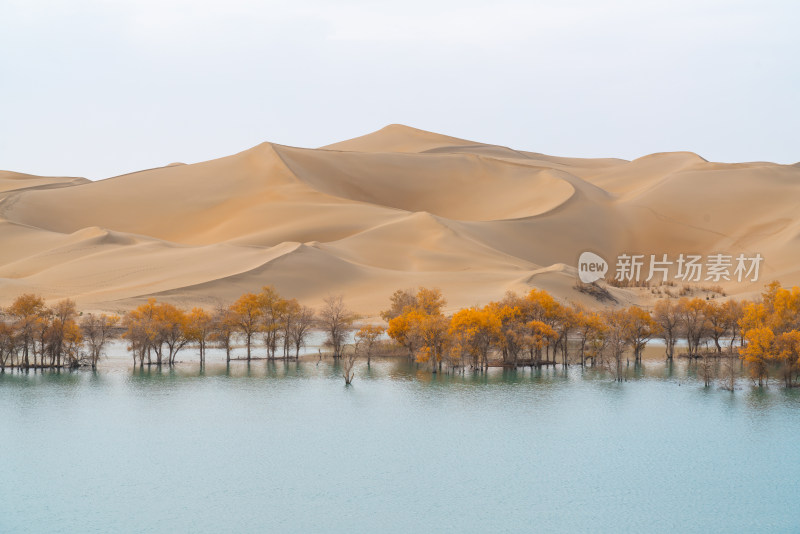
column 532, row 330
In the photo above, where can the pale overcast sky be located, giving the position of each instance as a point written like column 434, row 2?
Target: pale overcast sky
column 98, row 88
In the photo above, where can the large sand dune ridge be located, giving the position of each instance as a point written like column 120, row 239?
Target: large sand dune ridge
column 397, row 208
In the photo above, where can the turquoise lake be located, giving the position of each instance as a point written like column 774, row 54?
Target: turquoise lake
column 286, row 447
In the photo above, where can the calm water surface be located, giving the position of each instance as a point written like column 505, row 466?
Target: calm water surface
column 288, row 448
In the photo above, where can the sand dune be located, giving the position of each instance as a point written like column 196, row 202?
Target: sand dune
column 15, row 181
column 400, row 207
column 452, row 185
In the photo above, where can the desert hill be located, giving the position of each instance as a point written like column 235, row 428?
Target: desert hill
column 397, row 208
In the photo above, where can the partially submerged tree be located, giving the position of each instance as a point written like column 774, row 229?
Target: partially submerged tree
column 540, row 336
column 272, row 314
column 692, row 314
column 638, row 328
column 27, row 312
column 728, row 371
column 61, row 334
column 787, row 348
column 617, row 340
column 420, row 326
column 475, row 331
column 405, row 331
column 366, row 338
column 511, row 338
column 771, row 333
column 224, row 324
column 757, row 352
column 8, row 345
column 734, row 310
column 247, row 311
column 98, row 330
column 139, row 331
column 301, row 329
column 291, row 312
column 348, row 361
column 154, row 327
column 706, row 370
column 172, row 323
column 590, row 330
column 433, row 338
column 667, row 316
column 199, row 329
column 337, row 322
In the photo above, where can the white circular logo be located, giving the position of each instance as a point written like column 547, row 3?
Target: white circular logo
column 591, row 267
